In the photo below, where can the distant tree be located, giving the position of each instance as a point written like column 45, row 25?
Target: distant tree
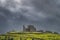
column 40, row 31
column 55, row 33
column 48, row 31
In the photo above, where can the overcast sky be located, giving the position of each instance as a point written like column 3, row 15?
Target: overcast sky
column 43, row 14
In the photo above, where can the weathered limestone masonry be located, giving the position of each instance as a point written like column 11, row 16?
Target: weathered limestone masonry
column 29, row 36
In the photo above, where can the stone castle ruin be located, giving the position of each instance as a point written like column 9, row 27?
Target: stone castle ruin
column 30, row 33
column 30, row 28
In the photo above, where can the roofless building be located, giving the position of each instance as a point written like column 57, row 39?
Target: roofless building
column 29, row 33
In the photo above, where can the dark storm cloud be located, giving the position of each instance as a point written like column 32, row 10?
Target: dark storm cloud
column 3, row 19
column 50, row 8
column 11, row 20
column 45, row 14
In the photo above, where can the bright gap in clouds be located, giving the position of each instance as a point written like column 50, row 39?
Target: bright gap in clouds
column 10, row 2
column 18, row 1
column 2, row 1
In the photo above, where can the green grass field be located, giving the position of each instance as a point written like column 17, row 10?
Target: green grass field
column 29, row 36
